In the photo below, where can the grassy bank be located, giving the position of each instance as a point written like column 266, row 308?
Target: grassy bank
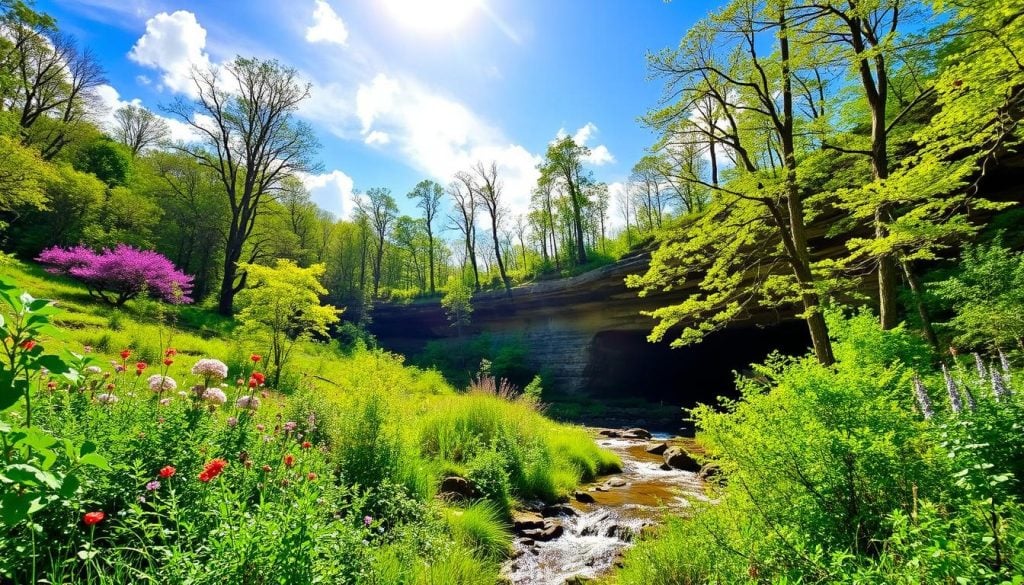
column 333, row 478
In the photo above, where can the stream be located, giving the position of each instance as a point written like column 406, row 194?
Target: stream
column 593, row 535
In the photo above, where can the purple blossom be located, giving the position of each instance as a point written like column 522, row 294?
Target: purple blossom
column 980, row 365
column 923, row 401
column 124, row 273
column 999, row 389
column 248, row 403
column 289, row 426
column 1004, row 362
column 210, row 368
column 954, row 394
column 153, row 486
column 367, row 520
column 232, row 422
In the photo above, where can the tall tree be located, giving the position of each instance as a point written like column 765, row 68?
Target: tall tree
column 488, row 188
column 752, row 247
column 464, row 195
column 428, row 195
column 564, row 162
column 138, row 128
column 380, row 210
column 244, row 114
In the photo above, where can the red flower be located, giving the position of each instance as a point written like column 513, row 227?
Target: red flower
column 212, row 469
column 91, row 518
column 289, row 460
column 170, row 352
column 126, row 353
column 311, row 476
column 306, row 444
column 28, row 344
column 167, row 471
column 141, row 366
column 168, row 361
column 255, row 358
column 253, row 383
column 260, row 378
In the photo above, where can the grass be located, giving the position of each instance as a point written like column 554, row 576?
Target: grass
column 481, row 527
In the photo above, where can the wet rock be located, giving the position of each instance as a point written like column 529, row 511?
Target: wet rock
column 522, row 521
column 636, row 433
column 457, row 488
column 680, row 459
column 665, row 467
column 656, row 448
column 710, row 472
column 558, row 510
column 550, row 531
column 528, row 542
column 578, row 580
column 615, row 482
column 583, row 497
column 610, row 433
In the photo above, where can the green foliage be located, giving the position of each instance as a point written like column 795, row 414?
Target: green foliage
column 457, row 303
column 987, row 295
column 481, row 527
column 107, row 160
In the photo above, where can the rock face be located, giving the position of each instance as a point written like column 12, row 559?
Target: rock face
column 677, row 458
column 588, row 335
column 656, row 448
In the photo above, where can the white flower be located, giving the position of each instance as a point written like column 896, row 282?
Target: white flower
column 248, row 402
column 215, row 396
column 93, row 369
column 107, row 398
column 210, row 368
column 159, row 383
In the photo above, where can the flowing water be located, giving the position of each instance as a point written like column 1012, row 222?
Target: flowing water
column 595, row 534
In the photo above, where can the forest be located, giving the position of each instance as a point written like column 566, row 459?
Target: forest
column 190, row 392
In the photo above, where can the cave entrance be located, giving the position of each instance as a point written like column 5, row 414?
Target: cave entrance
column 624, row 366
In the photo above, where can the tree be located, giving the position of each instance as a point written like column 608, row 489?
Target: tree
column 752, row 246
column 109, row 161
column 428, row 195
column 244, row 115
column 488, row 189
column 23, row 177
column 138, row 128
column 464, row 196
column 380, row 209
column 457, row 303
column 283, row 302
column 119, row 275
column 564, row 162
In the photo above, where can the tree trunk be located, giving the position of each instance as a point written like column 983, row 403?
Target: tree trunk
column 430, row 258
column 232, row 252
column 497, row 252
column 917, row 289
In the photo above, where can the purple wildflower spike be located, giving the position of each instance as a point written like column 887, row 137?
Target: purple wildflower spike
column 954, row 394
column 923, row 401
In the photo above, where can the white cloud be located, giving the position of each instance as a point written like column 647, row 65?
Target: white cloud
column 376, row 137
column 375, row 99
column 333, row 191
column 327, row 26
column 173, row 43
column 599, row 155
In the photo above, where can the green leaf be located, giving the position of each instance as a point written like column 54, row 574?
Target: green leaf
column 95, row 460
column 54, row 363
column 29, row 475
column 70, row 486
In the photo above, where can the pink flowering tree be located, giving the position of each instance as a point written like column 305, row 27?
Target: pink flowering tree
column 121, row 274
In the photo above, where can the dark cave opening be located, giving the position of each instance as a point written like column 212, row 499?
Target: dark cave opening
column 623, row 364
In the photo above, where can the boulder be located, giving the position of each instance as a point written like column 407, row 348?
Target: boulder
column 636, row 433
column 680, row 459
column 458, row 488
column 614, row 482
column 656, row 448
column 610, row 433
column 583, row 497
column 710, row 472
column 556, row 510
column 665, row 467
column 526, row 520
column 550, row 531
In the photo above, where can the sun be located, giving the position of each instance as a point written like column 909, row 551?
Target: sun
column 432, row 16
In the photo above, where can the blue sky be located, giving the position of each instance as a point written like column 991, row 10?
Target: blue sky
column 406, row 89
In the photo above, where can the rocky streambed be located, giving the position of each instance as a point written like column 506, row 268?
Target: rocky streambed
column 585, row 537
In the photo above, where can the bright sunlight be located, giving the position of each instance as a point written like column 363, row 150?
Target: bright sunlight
column 432, row 16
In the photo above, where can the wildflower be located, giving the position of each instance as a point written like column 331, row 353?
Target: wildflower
column 248, row 403
column 93, row 518
column 255, row 358
column 93, row 370
column 258, row 377
column 1005, row 363
column 232, row 422
column 261, row 427
column 247, row 463
column 311, row 476
column 951, row 389
column 306, row 444
column 212, row 469
column 170, row 352
column 139, row 366
column 165, row 401
column 119, row 369
column 285, row 482
column 110, row 386
column 167, row 471
column 215, row 396
column 980, row 365
column 210, row 369
column 240, row 381
column 289, row 460
column 367, row 520
column 28, row 344
column 168, row 361
column 86, row 349
column 289, row 426
column 43, row 372
column 126, row 353
column 159, row 383
column 107, row 398
column 266, row 469
column 153, row 486
column 999, row 388
column 51, row 385
column 923, row 401
column 252, row 383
